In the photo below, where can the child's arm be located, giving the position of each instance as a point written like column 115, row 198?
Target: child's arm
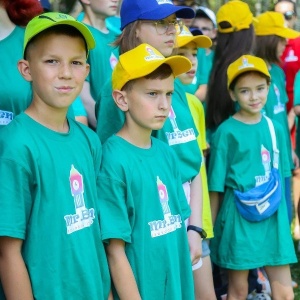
column 13, row 272
column 214, row 205
column 195, row 219
column 121, row 271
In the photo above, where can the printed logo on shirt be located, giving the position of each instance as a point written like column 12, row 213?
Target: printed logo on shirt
column 266, row 161
column 291, row 56
column 179, row 136
column 170, row 222
column 6, row 117
column 279, row 107
column 84, row 217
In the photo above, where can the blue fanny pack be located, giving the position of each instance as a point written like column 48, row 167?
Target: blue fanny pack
column 261, row 202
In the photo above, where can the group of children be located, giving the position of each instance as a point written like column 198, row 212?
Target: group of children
column 142, row 215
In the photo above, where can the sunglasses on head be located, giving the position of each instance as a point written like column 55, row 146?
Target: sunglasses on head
column 288, row 15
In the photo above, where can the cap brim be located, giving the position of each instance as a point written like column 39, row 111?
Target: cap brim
column 163, row 11
column 288, row 33
column 202, row 41
column 178, row 64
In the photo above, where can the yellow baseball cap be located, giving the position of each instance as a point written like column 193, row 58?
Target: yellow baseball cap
column 273, row 23
column 244, row 64
column 50, row 19
column 143, row 60
column 237, row 14
column 185, row 37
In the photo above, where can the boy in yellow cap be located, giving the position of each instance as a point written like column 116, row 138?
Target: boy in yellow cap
column 143, row 202
column 187, row 46
column 255, row 234
column 50, row 240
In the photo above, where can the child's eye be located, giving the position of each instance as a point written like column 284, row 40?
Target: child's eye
column 51, row 61
column 77, row 63
column 152, row 93
column 169, row 94
column 244, row 91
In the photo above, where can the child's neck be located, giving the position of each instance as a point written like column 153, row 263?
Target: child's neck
column 246, row 118
column 6, row 25
column 55, row 121
column 136, row 137
column 95, row 21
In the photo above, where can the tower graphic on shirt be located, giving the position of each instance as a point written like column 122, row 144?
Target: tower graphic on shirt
column 172, row 117
column 179, row 136
column 164, row 199
column 170, row 222
column 279, row 107
column 83, row 216
column 266, row 162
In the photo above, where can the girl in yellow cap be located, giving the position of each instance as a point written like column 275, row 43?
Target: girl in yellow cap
column 271, row 38
column 246, row 173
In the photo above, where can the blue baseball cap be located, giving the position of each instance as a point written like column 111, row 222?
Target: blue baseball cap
column 133, row 10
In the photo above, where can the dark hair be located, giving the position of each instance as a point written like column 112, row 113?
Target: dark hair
column 58, row 30
column 289, row 1
column 267, row 49
column 162, row 72
column 236, row 79
column 21, row 12
column 230, row 46
column 127, row 40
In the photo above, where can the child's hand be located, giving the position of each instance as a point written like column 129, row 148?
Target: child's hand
column 195, row 245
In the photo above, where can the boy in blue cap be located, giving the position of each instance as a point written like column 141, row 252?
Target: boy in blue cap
column 50, row 239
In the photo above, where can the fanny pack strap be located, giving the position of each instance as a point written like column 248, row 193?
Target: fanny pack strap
column 274, row 143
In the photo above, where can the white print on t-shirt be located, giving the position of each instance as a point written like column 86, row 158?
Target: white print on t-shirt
column 291, row 56
column 280, row 106
column 266, row 161
column 6, row 117
column 113, row 60
column 178, row 136
column 83, row 217
column 170, row 222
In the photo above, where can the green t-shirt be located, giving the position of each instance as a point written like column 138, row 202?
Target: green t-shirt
column 275, row 107
column 15, row 91
column 241, row 158
column 48, row 199
column 143, row 203
column 102, row 60
column 297, row 102
column 179, row 130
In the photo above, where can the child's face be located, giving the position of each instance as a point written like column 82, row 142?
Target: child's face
column 148, row 33
column 250, row 91
column 148, row 103
column 189, row 51
column 57, row 67
column 206, row 26
column 105, row 8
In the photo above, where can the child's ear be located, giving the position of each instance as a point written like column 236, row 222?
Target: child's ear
column 24, row 69
column 120, row 99
column 232, row 95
